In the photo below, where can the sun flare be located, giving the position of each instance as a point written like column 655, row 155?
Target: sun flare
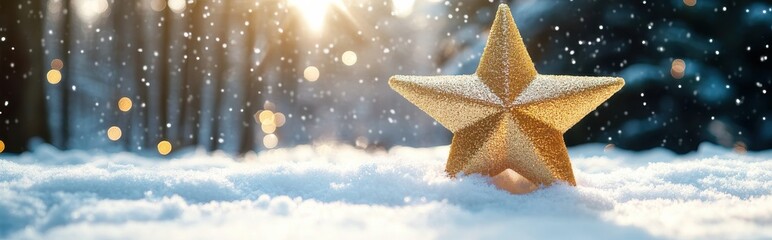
column 314, row 12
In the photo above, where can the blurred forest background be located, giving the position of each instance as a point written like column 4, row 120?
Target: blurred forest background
column 238, row 76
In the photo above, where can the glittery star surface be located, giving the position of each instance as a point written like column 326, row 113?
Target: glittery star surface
column 506, row 115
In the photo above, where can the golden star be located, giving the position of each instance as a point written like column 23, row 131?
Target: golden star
column 506, row 115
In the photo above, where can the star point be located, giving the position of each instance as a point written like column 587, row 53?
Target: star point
column 506, row 115
column 505, row 66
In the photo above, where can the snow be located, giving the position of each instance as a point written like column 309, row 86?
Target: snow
column 332, row 191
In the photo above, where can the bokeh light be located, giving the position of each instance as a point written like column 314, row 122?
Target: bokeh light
column 164, row 147
column 349, row 58
column 54, row 76
column 268, row 127
column 157, row 5
column 2, row 146
column 57, row 64
column 678, row 68
column 311, row 73
column 269, row 121
column 124, row 104
column 114, row 133
column 270, row 141
column 177, row 6
column 268, row 105
column 89, row 10
column 279, row 119
column 690, row 3
column 266, row 116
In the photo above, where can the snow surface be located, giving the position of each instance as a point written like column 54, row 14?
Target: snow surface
column 332, row 191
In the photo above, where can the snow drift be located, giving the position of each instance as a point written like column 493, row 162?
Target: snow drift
column 332, row 191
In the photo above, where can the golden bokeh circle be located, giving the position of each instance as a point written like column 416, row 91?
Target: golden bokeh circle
column 177, row 6
column 124, row 104
column 311, row 74
column 54, row 76
column 690, row 3
column 164, row 147
column 268, row 127
column 2, row 146
column 114, row 133
column 266, row 116
column 349, row 58
column 270, row 141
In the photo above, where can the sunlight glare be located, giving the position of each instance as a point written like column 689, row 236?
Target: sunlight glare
column 402, row 8
column 313, row 11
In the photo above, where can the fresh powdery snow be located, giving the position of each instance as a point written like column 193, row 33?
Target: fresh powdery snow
column 334, row 191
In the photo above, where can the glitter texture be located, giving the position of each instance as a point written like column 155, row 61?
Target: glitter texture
column 506, row 115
